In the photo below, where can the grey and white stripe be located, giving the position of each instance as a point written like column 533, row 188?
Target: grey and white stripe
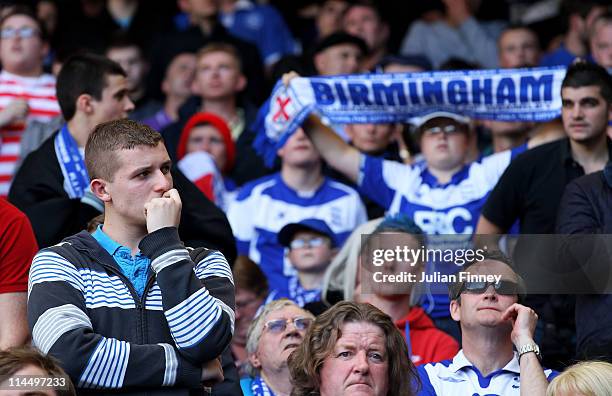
column 169, row 258
column 55, row 322
column 171, row 365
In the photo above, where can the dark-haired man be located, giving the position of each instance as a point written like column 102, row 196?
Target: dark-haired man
column 128, row 307
column 492, row 323
column 531, row 187
column 530, row 190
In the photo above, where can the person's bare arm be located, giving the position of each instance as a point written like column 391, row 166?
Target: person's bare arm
column 335, row 151
column 486, row 227
column 13, row 320
column 487, row 233
column 524, row 320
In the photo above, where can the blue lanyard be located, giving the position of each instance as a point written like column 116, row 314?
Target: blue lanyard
column 407, row 336
column 76, row 179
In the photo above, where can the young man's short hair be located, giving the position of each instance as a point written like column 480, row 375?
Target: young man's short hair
column 109, row 137
column 25, row 11
column 14, row 359
column 582, row 74
column 221, row 47
column 83, row 74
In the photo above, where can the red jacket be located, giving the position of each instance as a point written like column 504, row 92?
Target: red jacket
column 429, row 344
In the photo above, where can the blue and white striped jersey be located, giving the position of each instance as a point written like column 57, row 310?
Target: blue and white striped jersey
column 450, row 208
column 460, row 377
column 266, row 205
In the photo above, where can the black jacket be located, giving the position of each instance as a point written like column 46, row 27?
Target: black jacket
column 585, row 216
column 85, row 312
column 38, row 191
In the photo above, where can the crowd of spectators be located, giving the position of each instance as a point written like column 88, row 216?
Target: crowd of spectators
column 145, row 247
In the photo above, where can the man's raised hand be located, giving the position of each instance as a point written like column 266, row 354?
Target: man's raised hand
column 163, row 212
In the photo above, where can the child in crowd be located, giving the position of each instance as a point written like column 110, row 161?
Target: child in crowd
column 311, row 247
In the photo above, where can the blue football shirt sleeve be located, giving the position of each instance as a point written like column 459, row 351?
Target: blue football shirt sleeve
column 371, row 181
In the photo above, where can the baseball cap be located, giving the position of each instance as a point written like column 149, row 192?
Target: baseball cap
column 286, row 234
column 420, row 121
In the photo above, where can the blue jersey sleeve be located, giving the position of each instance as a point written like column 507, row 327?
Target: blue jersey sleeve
column 378, row 179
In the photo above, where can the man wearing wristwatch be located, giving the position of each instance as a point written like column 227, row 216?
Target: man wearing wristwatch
column 499, row 355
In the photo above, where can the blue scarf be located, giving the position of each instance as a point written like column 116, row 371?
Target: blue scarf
column 76, row 179
column 300, row 295
column 260, row 388
column 505, row 95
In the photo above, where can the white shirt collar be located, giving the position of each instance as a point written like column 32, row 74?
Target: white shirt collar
column 460, row 362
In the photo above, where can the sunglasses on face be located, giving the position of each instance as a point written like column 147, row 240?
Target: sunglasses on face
column 302, row 243
column 503, row 287
column 280, row 325
column 23, row 32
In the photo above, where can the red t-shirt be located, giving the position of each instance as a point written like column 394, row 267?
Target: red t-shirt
column 429, row 344
column 17, row 248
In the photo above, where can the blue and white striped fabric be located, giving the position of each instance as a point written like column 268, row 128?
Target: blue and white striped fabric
column 266, row 205
column 215, row 264
column 57, row 321
column 107, row 365
column 51, row 267
column 171, row 365
column 500, row 94
column 296, row 293
column 191, row 320
column 72, row 164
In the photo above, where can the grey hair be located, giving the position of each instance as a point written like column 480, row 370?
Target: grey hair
column 257, row 326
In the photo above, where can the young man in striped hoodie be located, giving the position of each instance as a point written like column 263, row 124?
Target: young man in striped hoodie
column 128, row 307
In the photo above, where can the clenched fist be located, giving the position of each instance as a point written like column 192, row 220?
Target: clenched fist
column 163, row 212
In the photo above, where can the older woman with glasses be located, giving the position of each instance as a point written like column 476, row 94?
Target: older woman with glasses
column 276, row 332
column 352, row 349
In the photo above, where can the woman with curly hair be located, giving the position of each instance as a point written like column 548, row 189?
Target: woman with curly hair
column 352, row 349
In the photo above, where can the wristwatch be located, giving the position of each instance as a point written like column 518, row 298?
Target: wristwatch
column 531, row 347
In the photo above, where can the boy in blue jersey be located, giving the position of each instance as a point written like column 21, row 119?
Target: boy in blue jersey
column 299, row 191
column 311, row 246
column 492, row 323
